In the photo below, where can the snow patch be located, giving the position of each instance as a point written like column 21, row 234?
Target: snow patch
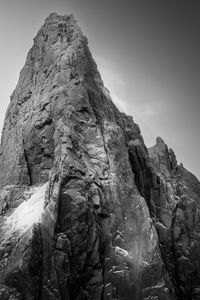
column 121, row 252
column 28, row 212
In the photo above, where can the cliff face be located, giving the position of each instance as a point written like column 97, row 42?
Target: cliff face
column 87, row 211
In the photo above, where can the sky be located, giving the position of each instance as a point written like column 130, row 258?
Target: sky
column 148, row 54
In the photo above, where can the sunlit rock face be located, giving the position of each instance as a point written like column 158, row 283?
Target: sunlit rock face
column 87, row 212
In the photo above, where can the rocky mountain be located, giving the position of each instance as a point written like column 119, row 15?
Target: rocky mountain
column 86, row 210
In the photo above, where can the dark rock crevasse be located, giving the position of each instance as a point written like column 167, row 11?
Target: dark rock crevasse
column 87, row 211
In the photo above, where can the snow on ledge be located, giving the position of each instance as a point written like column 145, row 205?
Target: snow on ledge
column 28, row 212
column 121, row 251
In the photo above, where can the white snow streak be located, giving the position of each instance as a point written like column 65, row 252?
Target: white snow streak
column 121, row 252
column 28, row 212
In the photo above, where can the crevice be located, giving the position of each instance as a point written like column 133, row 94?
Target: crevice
column 176, row 287
column 27, row 165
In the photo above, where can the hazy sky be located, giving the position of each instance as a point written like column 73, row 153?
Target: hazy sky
column 148, row 53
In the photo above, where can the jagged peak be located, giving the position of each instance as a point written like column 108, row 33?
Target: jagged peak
column 56, row 46
column 159, row 140
column 162, row 157
column 54, row 18
column 62, row 22
column 159, row 146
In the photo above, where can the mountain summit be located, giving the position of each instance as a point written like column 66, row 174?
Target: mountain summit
column 86, row 210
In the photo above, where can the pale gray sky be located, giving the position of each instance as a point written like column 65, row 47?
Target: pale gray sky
column 148, row 53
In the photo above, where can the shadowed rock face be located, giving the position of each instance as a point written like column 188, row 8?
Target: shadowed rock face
column 175, row 205
column 87, row 212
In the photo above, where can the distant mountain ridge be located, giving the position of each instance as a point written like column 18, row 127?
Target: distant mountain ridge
column 86, row 210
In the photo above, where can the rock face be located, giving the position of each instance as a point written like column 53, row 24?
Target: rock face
column 86, row 210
